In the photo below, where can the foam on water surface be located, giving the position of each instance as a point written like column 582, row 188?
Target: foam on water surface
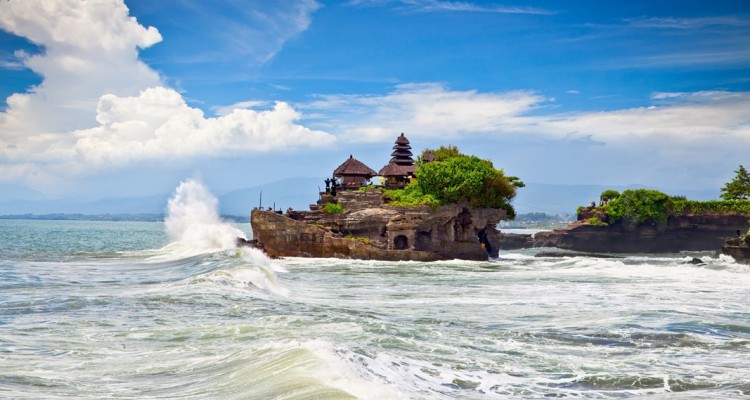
column 200, row 318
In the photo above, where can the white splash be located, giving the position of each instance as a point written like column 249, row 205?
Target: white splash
column 193, row 222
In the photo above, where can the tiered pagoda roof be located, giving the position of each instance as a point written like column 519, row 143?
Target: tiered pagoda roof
column 402, row 163
column 354, row 167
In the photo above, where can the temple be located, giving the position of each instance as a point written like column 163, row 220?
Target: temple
column 347, row 222
column 353, row 174
column 400, row 169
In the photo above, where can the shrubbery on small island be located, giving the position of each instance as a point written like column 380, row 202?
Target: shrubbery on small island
column 454, row 177
column 639, row 206
column 652, row 206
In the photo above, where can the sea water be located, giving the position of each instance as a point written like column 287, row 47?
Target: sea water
column 134, row 310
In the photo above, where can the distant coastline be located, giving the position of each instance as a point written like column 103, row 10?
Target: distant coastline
column 107, row 217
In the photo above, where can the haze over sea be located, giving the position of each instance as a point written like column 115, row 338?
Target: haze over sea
column 172, row 310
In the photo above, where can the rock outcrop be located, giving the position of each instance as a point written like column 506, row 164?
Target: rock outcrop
column 681, row 233
column 738, row 248
column 370, row 229
column 514, row 241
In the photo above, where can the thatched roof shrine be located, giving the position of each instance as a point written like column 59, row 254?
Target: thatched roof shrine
column 393, row 169
column 354, row 167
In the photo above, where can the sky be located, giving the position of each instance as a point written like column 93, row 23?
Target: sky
column 104, row 98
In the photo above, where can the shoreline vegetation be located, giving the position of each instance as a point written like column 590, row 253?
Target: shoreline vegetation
column 652, row 207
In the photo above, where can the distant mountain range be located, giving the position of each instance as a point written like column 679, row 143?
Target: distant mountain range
column 297, row 193
column 10, row 192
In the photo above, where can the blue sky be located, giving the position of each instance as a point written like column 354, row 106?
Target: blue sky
column 105, row 98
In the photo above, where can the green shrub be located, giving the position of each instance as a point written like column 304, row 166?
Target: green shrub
column 410, row 196
column 609, row 195
column 596, row 221
column 453, row 177
column 461, row 177
column 684, row 206
column 441, row 154
column 333, row 208
column 640, row 206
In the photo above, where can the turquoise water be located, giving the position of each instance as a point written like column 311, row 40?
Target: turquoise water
column 57, row 240
column 134, row 310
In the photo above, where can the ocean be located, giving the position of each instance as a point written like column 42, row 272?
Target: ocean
column 151, row 310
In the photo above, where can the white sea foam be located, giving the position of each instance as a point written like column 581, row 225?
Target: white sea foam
column 515, row 256
column 213, row 325
column 346, row 374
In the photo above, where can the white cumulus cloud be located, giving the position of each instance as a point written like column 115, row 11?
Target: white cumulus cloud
column 88, row 49
column 680, row 119
column 157, row 124
column 99, row 105
column 424, row 110
column 433, row 110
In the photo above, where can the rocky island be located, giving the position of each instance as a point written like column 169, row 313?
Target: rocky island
column 446, row 205
column 648, row 221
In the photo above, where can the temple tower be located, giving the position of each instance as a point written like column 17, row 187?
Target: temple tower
column 400, row 169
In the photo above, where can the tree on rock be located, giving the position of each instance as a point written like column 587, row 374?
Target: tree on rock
column 739, row 187
column 454, row 177
column 609, row 195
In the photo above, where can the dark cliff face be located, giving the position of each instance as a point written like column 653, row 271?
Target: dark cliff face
column 369, row 230
column 682, row 233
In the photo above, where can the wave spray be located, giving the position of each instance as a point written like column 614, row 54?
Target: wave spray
column 193, row 222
